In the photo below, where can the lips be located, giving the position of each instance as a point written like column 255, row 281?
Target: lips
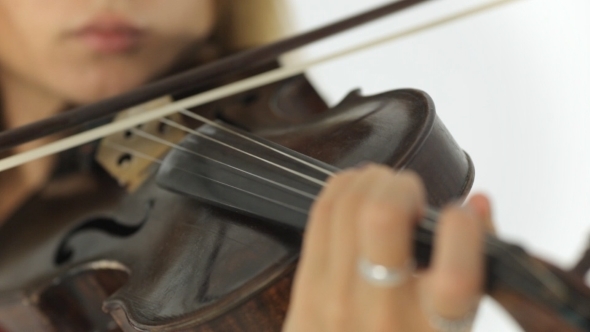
column 108, row 34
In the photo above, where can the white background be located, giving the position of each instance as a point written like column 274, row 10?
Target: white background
column 512, row 86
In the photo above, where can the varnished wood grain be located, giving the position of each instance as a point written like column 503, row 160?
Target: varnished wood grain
column 193, row 267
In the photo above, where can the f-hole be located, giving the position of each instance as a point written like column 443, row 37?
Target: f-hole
column 112, row 227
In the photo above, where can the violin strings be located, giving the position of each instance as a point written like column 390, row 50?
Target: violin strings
column 196, row 133
column 540, row 274
column 157, row 139
column 244, row 85
column 138, row 154
column 428, row 223
column 431, row 214
column 228, row 90
column 235, row 133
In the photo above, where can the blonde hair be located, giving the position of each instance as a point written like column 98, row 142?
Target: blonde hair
column 247, row 23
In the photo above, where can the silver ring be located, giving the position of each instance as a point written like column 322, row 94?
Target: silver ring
column 442, row 324
column 383, row 276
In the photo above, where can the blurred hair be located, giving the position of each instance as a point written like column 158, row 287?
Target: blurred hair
column 247, row 23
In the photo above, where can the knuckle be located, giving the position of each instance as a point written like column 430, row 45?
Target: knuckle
column 350, row 198
column 412, row 182
column 381, row 210
column 333, row 184
column 322, row 208
column 386, row 218
column 392, row 208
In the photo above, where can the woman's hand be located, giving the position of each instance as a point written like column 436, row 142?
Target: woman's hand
column 370, row 213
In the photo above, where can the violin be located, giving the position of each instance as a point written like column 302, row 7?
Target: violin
column 211, row 239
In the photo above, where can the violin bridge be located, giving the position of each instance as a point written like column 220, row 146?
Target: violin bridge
column 132, row 156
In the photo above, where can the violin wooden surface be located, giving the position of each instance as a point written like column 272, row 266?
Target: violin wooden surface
column 533, row 316
column 84, row 255
column 159, row 261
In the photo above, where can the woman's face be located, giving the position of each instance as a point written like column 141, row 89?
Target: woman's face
column 85, row 50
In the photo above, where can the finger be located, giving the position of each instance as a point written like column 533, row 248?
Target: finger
column 344, row 245
column 385, row 228
column 457, row 271
column 482, row 206
column 311, row 274
column 330, row 276
column 319, row 227
column 388, row 217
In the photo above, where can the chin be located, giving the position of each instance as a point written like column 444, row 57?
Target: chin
column 90, row 91
column 87, row 78
column 89, row 96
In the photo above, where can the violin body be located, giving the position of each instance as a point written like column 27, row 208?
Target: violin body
column 99, row 259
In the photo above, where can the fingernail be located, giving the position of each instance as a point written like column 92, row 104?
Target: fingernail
column 470, row 209
column 479, row 207
column 457, row 260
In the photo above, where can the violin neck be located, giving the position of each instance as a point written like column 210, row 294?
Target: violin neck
column 278, row 184
column 541, row 297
